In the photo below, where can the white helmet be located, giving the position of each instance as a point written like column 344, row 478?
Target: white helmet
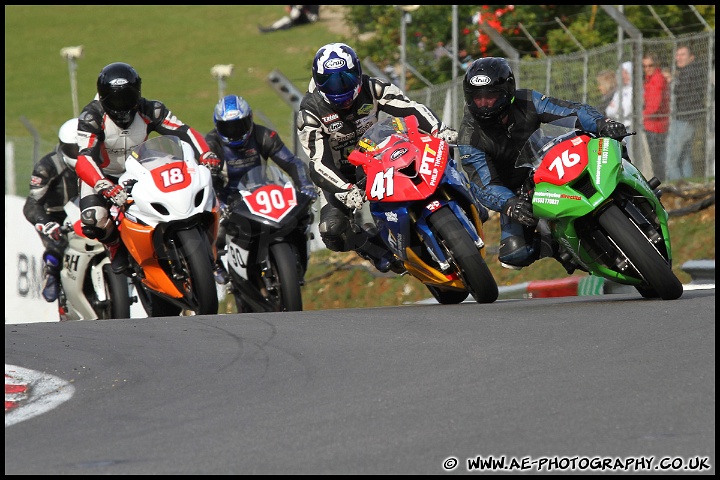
column 67, row 135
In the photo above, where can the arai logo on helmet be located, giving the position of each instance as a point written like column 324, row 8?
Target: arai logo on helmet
column 118, row 82
column 480, row 80
column 334, row 63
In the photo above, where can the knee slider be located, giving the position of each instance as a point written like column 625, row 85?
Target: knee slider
column 97, row 223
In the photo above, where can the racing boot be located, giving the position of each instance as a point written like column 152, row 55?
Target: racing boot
column 51, row 290
column 221, row 274
column 118, row 256
column 381, row 264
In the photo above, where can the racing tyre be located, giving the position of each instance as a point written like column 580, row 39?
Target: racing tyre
column 461, row 250
column 654, row 270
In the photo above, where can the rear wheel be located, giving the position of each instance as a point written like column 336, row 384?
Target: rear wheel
column 655, row 271
column 465, row 255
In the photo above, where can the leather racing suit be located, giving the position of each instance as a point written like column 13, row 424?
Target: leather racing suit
column 328, row 137
column 103, row 149
column 488, row 154
column 53, row 183
column 263, row 143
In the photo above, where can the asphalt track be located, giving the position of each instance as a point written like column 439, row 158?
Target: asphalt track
column 606, row 380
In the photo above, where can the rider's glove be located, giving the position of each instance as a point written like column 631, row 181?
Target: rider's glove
column 310, row 191
column 50, row 230
column 114, row 193
column 520, row 210
column 352, row 198
column 612, row 129
column 211, row 161
column 447, row 134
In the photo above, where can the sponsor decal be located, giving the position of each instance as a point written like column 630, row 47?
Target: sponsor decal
column 432, row 206
column 335, row 126
column 365, row 109
column 334, row 64
column 118, row 82
column 391, row 217
column 480, row 80
column 398, row 153
column 35, row 181
column 329, row 118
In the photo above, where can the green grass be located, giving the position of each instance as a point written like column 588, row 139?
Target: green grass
column 173, row 49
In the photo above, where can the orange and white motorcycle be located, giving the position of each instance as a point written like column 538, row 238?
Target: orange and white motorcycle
column 169, row 226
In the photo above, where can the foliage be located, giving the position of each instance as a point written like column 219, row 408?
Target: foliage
column 379, row 26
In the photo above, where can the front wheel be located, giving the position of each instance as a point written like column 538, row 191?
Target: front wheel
column 465, row 255
column 199, row 286
column 448, row 297
column 285, row 278
column 119, row 292
column 658, row 278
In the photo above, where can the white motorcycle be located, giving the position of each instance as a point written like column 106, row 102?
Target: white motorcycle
column 170, row 226
column 89, row 290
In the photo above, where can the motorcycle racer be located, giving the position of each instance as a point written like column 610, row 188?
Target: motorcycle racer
column 53, row 183
column 497, row 122
column 341, row 104
column 114, row 122
column 242, row 145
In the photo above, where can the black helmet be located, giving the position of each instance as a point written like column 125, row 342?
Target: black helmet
column 118, row 87
column 489, row 88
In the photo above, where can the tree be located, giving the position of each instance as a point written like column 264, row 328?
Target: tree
column 379, row 26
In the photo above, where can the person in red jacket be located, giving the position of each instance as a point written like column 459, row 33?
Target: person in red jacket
column 656, row 112
column 117, row 120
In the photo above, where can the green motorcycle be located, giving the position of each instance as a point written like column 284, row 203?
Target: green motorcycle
column 605, row 216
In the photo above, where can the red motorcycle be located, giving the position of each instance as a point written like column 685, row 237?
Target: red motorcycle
column 421, row 203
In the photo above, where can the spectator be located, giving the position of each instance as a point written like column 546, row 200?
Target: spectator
column 464, row 59
column 296, row 15
column 441, row 51
column 684, row 159
column 656, row 96
column 607, row 84
column 620, row 107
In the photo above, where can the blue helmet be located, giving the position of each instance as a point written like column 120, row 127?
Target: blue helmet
column 233, row 119
column 337, row 74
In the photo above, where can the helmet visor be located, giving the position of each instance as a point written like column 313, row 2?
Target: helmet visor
column 70, row 150
column 486, row 98
column 337, row 83
column 236, row 129
column 121, row 100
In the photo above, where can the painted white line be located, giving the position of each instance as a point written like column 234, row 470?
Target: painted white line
column 44, row 392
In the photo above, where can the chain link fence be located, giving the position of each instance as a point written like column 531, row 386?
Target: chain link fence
column 574, row 77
